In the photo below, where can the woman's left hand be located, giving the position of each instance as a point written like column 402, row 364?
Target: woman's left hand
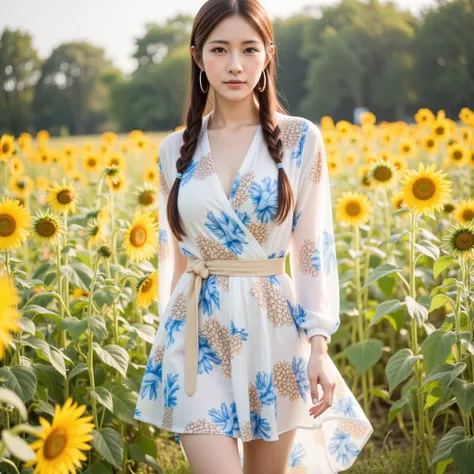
column 319, row 373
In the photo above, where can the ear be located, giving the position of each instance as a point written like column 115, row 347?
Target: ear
column 193, row 54
column 271, row 52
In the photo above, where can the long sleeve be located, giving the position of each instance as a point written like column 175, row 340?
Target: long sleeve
column 313, row 251
column 165, row 248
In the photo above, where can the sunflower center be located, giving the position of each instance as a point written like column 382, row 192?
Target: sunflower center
column 439, row 130
column 65, row 196
column 7, row 225
column 382, row 173
column 464, row 240
column 116, row 183
column 457, row 155
column 5, row 148
column 55, row 443
column 114, row 162
column 353, row 208
column 147, row 285
column 406, row 148
column 20, row 184
column 138, row 236
column 46, row 228
column 424, row 189
column 430, row 143
column 147, row 198
column 91, row 162
column 468, row 214
column 448, row 208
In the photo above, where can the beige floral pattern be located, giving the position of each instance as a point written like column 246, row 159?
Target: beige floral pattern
column 158, row 354
column 212, row 250
column 168, row 419
column 296, row 470
column 316, row 172
column 163, row 252
column 305, row 255
column 242, row 192
column 291, row 131
column 202, row 426
column 254, row 399
column 223, row 282
column 246, row 432
column 273, row 301
column 284, row 380
column 162, row 184
column 205, row 168
column 259, row 231
column 356, row 430
column 178, row 310
column 318, row 436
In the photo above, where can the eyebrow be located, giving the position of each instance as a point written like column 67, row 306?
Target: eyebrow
column 228, row 42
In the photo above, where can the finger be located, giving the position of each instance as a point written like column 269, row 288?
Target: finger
column 320, row 410
column 314, row 392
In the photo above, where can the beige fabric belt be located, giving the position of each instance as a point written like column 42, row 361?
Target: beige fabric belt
column 200, row 270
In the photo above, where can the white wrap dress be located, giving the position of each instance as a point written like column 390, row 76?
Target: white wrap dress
column 253, row 331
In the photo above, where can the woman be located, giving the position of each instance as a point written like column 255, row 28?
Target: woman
column 242, row 346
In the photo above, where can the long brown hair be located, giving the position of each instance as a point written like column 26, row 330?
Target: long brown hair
column 210, row 14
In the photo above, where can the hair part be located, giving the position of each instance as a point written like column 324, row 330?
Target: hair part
column 208, row 17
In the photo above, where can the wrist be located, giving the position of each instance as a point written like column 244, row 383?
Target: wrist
column 319, row 344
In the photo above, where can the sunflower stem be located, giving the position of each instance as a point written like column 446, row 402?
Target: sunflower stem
column 66, row 259
column 112, row 224
column 90, row 353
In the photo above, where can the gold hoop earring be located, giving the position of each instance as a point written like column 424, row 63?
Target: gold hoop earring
column 200, row 83
column 264, row 82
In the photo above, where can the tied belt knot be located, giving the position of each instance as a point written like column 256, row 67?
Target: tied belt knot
column 200, row 270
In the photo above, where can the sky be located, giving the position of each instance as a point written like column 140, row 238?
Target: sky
column 114, row 24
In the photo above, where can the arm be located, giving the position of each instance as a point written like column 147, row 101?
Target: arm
column 313, row 253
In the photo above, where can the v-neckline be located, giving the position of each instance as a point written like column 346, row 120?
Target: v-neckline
column 247, row 156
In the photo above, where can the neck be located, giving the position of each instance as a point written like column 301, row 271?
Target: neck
column 232, row 115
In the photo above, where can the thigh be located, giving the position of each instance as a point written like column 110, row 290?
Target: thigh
column 211, row 454
column 270, row 457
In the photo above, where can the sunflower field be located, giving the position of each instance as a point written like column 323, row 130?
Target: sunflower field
column 79, row 288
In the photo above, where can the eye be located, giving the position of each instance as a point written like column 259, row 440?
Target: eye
column 212, row 50
column 256, row 50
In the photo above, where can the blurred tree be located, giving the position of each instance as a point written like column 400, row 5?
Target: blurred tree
column 19, row 71
column 71, row 91
column 444, row 50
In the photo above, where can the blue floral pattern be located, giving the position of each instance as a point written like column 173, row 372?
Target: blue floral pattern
column 265, row 199
column 342, row 447
column 209, row 297
column 225, row 418
column 151, row 380
column 228, row 231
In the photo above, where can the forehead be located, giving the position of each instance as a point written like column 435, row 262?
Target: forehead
column 234, row 29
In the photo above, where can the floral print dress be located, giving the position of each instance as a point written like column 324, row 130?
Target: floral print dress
column 253, row 332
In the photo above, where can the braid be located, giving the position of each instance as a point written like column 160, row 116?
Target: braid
column 271, row 133
column 197, row 103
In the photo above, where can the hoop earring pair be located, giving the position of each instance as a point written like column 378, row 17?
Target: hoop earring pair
column 200, row 83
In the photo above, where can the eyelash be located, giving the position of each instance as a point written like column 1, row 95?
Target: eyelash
column 220, row 47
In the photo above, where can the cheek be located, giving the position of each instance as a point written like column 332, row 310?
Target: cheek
column 212, row 64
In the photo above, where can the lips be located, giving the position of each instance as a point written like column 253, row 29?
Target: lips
column 234, row 82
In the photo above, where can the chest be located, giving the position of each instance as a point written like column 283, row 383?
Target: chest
column 229, row 151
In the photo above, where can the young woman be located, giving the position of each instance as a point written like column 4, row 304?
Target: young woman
column 242, row 346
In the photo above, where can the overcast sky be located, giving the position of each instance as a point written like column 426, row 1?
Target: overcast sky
column 114, row 24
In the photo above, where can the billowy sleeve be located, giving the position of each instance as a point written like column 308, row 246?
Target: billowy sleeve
column 313, row 251
column 165, row 247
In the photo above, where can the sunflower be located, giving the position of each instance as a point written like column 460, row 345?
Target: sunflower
column 10, row 316
column 459, row 240
column 142, row 142
column 21, row 185
column 15, row 224
column 79, row 293
column 383, row 174
column 449, row 208
column 115, row 159
column 101, row 215
column 399, row 163
column 334, row 166
column 88, row 147
column 429, row 143
column 327, row 123
column 117, row 183
column 109, row 137
column 62, row 198
column 408, row 148
column 466, row 115
column 43, row 157
column 32, row 159
column 424, row 117
column 135, row 134
column 77, row 177
column 441, row 129
column 353, row 208
column 387, row 138
column 60, row 444
column 154, row 156
column 466, row 134
column 465, row 211
column 141, row 238
column 458, row 154
column 47, row 227
column 397, row 201
column 69, row 152
column 42, row 137
column 368, row 130
column 146, row 195
column 364, row 176
column 91, row 162
column 24, row 141
column 368, row 118
column 147, row 289
column 351, row 159
column 6, row 147
column 471, row 157
column 42, row 183
column 105, row 251
column 95, row 233
column 425, row 190
column 16, row 166
column 151, row 175
column 125, row 147
column 329, row 138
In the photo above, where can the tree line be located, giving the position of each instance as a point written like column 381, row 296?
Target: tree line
column 331, row 59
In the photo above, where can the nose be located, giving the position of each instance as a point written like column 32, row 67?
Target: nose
column 234, row 65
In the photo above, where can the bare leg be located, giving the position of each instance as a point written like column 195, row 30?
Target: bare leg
column 211, row 454
column 270, row 457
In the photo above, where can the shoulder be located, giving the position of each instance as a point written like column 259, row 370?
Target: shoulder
column 295, row 128
column 171, row 143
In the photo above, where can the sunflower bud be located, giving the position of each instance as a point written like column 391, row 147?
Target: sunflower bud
column 105, row 251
